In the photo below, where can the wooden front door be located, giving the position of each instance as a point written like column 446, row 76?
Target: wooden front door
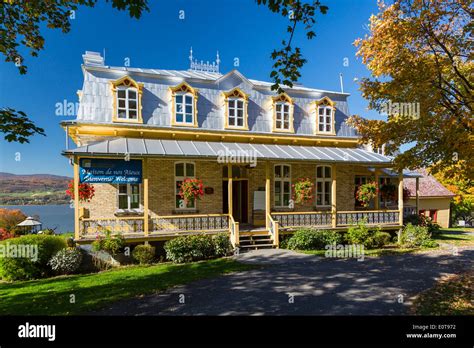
column 240, row 199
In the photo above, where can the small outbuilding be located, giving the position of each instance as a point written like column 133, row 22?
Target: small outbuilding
column 30, row 226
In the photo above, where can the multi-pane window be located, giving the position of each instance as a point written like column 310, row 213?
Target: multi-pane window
column 325, row 119
column 236, row 112
column 127, row 103
column 323, row 186
column 184, row 108
column 128, row 196
column 282, row 116
column 183, row 171
column 282, row 185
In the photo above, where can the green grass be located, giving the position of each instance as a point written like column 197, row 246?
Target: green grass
column 93, row 291
column 389, row 250
column 451, row 296
column 457, row 236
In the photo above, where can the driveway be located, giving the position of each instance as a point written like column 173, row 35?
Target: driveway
column 289, row 283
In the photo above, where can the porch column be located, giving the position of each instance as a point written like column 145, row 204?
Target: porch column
column 145, row 197
column 267, row 194
column 333, row 197
column 417, row 180
column 400, row 197
column 377, row 182
column 229, row 189
column 76, row 199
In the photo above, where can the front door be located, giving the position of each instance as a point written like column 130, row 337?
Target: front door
column 239, row 199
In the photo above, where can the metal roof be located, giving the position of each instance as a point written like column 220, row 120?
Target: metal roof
column 203, row 149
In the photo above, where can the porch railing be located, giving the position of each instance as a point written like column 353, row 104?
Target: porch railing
column 372, row 217
column 189, row 223
column 303, row 219
column 122, row 225
column 407, row 211
column 234, row 231
column 274, row 229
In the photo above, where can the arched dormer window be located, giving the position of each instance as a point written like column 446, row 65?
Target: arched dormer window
column 184, row 105
column 236, row 116
column 325, row 111
column 283, row 113
column 127, row 105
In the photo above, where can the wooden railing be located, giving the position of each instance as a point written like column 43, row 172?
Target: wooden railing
column 408, row 210
column 122, row 225
column 189, row 223
column 234, row 231
column 303, row 219
column 274, row 229
column 370, row 217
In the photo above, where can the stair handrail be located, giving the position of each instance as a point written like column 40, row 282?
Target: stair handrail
column 234, row 231
column 274, row 230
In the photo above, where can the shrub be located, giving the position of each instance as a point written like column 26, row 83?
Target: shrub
column 360, row 234
column 308, row 239
column 110, row 244
column 422, row 220
column 194, row 248
column 380, row 239
column 16, row 268
column 415, row 236
column 144, row 254
column 222, row 244
column 4, row 234
column 66, row 261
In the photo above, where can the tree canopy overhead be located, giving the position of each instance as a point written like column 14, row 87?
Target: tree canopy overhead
column 420, row 54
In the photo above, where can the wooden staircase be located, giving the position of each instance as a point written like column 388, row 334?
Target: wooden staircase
column 253, row 240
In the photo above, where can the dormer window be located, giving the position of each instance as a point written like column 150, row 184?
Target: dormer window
column 283, row 113
column 127, row 100
column 325, row 109
column 184, row 104
column 236, row 109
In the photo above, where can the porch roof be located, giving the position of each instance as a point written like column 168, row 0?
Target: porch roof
column 204, row 149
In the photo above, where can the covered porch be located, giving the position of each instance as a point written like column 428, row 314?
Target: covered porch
column 242, row 199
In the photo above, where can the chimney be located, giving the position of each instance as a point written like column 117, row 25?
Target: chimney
column 93, row 59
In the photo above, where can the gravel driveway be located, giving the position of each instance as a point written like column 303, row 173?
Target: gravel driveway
column 288, row 283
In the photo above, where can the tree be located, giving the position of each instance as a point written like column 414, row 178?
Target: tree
column 420, row 54
column 20, row 26
column 10, row 218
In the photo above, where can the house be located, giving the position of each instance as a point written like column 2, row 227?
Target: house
column 140, row 133
column 433, row 198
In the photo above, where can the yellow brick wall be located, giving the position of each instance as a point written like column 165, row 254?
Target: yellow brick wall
column 440, row 204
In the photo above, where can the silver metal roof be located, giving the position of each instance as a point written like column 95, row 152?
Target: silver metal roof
column 203, row 149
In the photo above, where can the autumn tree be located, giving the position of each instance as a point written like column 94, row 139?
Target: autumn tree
column 420, row 54
column 10, row 218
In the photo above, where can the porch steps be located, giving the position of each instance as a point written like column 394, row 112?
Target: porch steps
column 255, row 240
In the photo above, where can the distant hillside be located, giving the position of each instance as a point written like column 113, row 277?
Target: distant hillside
column 33, row 189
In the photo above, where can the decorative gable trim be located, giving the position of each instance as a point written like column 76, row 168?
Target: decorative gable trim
column 126, row 81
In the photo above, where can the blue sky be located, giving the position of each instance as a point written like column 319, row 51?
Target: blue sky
column 160, row 39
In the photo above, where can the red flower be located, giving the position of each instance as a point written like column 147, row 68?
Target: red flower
column 86, row 191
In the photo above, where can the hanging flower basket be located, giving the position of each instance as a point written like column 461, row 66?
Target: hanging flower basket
column 303, row 190
column 388, row 192
column 191, row 189
column 86, row 191
column 366, row 192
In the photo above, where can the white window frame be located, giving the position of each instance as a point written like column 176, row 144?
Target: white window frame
column 281, row 180
column 235, row 109
column 183, row 105
column 129, row 195
column 325, row 123
column 280, row 115
column 127, row 101
column 181, row 178
column 323, row 180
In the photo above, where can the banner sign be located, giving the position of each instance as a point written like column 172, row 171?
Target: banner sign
column 110, row 171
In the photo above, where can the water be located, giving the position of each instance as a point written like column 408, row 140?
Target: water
column 60, row 217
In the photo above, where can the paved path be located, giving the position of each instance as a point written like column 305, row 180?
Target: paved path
column 318, row 286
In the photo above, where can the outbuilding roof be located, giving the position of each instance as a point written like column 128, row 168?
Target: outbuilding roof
column 428, row 186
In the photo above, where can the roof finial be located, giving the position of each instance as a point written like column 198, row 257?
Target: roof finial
column 207, row 66
column 191, row 54
column 218, row 59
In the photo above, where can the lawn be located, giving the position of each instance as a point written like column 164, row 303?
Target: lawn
column 388, row 250
column 93, row 291
column 453, row 295
column 458, row 236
